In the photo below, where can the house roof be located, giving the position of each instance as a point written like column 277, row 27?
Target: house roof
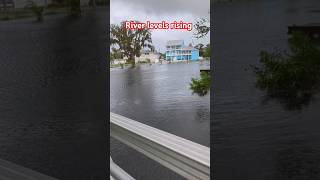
column 174, row 42
column 189, row 48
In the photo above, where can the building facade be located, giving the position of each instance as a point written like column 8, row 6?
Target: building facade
column 148, row 56
column 177, row 51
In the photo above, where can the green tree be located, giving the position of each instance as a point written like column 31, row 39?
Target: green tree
column 162, row 56
column 207, row 51
column 200, row 48
column 116, row 53
column 130, row 42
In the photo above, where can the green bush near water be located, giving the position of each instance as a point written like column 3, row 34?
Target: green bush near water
column 201, row 86
column 292, row 78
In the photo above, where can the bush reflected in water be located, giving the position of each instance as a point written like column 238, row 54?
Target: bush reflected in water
column 291, row 78
column 297, row 162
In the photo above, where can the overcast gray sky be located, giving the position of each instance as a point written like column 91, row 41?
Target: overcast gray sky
column 165, row 10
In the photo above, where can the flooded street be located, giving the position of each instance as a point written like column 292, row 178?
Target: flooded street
column 159, row 96
column 53, row 100
column 252, row 139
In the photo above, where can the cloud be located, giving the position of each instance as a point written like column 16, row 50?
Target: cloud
column 157, row 11
column 197, row 7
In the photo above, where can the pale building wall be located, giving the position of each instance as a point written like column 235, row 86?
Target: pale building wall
column 119, row 61
column 154, row 58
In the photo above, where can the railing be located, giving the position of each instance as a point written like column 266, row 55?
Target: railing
column 116, row 173
column 189, row 159
column 10, row 171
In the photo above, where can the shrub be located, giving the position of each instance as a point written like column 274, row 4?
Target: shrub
column 201, row 86
column 293, row 77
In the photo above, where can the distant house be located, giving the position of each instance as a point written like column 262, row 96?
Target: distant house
column 118, row 61
column 148, row 56
column 177, row 51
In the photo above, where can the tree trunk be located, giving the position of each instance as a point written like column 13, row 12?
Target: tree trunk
column 133, row 62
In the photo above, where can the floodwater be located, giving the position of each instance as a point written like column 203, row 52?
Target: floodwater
column 53, row 96
column 159, row 96
column 252, row 139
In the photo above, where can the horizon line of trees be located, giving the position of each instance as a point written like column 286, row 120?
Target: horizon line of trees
column 204, row 51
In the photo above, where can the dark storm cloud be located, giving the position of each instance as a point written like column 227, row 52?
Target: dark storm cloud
column 199, row 8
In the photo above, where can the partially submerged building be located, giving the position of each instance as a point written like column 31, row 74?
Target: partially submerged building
column 148, row 56
column 177, row 51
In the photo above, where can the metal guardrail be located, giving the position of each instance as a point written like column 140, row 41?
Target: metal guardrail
column 116, row 173
column 189, row 159
column 11, row 171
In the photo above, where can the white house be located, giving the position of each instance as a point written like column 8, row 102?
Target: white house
column 118, row 61
column 148, row 56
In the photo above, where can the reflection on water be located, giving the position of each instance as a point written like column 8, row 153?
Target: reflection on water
column 292, row 78
column 291, row 103
column 297, row 161
column 52, row 95
column 252, row 140
column 159, row 96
